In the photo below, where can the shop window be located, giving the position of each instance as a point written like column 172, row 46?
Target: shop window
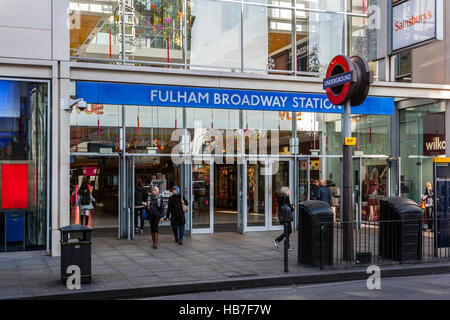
column 23, row 165
column 422, row 137
column 96, row 129
column 403, row 67
column 267, row 132
column 150, row 129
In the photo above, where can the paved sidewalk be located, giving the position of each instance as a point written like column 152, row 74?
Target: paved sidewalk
column 221, row 260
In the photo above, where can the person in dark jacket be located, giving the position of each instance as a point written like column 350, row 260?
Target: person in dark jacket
column 315, row 190
column 85, row 201
column 155, row 214
column 324, row 193
column 283, row 199
column 140, row 198
column 176, row 214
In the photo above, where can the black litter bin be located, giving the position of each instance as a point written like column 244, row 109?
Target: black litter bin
column 76, row 250
column 400, row 237
column 314, row 215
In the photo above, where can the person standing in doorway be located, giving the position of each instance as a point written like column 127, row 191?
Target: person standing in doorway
column 140, row 197
column 428, row 199
column 155, row 213
column 324, row 193
column 85, row 201
column 283, row 200
column 176, row 212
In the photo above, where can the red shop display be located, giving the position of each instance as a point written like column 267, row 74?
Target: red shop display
column 14, row 186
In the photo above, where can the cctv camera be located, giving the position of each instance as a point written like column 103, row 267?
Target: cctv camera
column 81, row 105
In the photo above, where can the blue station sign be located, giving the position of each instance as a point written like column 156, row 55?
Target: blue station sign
column 150, row 95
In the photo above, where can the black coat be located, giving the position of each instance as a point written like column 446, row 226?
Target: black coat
column 314, row 192
column 140, row 195
column 155, row 206
column 175, row 210
column 284, row 200
column 324, row 194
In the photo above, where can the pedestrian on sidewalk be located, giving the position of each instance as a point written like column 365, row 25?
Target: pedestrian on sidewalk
column 140, row 197
column 176, row 210
column 85, row 201
column 314, row 190
column 155, row 213
column 283, row 200
column 427, row 198
column 324, row 193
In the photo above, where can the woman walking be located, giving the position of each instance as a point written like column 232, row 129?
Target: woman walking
column 155, row 213
column 176, row 212
column 85, row 201
column 283, row 200
column 140, row 196
column 428, row 199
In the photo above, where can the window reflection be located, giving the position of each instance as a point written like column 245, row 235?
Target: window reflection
column 214, row 34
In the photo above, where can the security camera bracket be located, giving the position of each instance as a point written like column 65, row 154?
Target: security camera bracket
column 68, row 104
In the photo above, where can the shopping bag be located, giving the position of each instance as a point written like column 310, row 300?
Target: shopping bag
column 144, row 214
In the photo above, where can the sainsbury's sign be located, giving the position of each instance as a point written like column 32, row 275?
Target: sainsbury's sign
column 416, row 21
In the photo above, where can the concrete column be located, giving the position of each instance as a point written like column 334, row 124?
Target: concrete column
column 54, row 223
column 60, row 186
column 394, row 133
column 60, row 30
column 60, row 157
column 447, row 128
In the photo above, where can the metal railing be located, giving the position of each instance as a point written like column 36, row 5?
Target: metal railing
column 383, row 243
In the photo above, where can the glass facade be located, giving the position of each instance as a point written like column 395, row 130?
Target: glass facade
column 422, row 137
column 23, row 165
column 236, row 36
column 236, row 159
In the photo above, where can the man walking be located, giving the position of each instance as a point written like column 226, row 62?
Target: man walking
column 324, row 193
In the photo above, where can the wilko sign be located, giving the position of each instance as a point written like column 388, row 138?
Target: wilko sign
column 434, row 134
column 416, row 21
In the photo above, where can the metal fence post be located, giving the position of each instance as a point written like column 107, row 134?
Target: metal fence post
column 321, row 244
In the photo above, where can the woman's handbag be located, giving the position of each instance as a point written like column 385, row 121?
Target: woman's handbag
column 184, row 207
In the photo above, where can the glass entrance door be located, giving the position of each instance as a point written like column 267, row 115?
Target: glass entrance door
column 303, row 180
column 373, row 176
column 280, row 177
column 256, row 195
column 262, row 189
column 202, row 197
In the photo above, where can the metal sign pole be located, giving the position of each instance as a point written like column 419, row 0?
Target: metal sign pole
column 347, row 185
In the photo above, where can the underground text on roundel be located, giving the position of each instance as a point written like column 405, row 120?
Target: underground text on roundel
column 337, row 80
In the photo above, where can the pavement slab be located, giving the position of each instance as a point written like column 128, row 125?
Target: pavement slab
column 204, row 260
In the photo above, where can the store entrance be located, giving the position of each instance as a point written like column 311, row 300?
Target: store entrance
column 162, row 173
column 102, row 175
column 264, row 184
column 225, row 197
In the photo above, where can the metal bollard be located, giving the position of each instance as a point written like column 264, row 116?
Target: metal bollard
column 322, row 227
column 286, row 247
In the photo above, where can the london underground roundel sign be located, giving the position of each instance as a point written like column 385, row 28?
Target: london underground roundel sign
column 348, row 79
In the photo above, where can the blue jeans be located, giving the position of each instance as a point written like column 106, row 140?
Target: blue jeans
column 175, row 229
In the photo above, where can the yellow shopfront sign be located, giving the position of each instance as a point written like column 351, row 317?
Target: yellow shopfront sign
column 350, row 141
column 441, row 160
